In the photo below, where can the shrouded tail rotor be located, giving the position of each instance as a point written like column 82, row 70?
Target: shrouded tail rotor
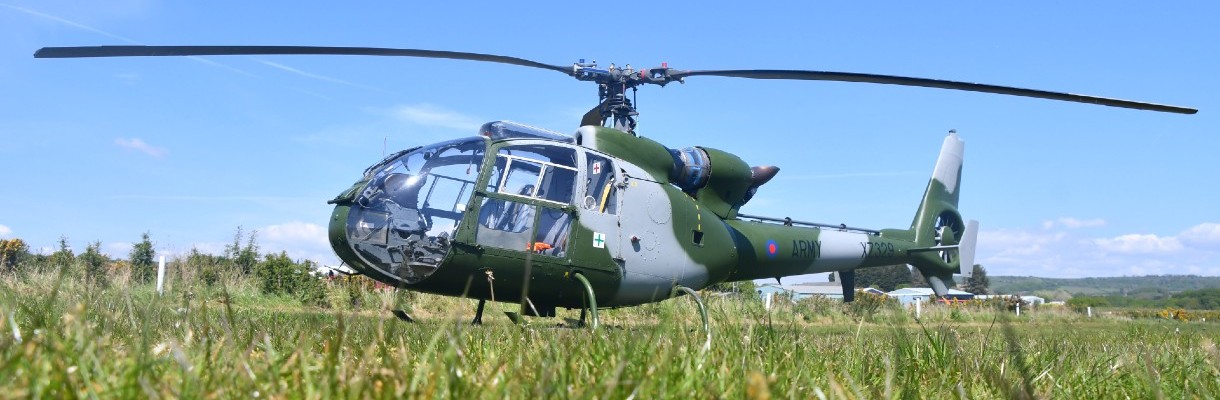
column 948, row 228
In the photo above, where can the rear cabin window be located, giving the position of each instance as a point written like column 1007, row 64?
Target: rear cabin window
column 601, row 195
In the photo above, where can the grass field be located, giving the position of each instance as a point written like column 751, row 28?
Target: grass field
column 62, row 339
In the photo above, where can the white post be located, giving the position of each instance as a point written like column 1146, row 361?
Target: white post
column 1018, row 309
column 1090, row 310
column 161, row 277
column 12, row 320
column 768, row 301
column 918, row 306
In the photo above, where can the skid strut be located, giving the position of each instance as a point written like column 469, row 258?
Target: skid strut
column 491, row 286
column 478, row 313
column 702, row 312
column 591, row 298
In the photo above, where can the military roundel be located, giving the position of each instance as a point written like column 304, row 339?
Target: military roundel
column 772, row 248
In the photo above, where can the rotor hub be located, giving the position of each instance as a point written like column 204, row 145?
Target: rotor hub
column 612, row 84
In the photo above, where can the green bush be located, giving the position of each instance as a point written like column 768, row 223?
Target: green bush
column 13, row 252
column 206, row 268
column 867, row 304
column 1082, row 303
column 814, row 308
column 141, row 257
column 95, row 265
column 278, row 274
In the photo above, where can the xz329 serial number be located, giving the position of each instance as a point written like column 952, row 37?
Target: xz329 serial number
column 880, row 249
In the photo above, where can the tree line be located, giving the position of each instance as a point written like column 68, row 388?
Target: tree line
column 1197, row 299
column 1104, row 286
column 275, row 273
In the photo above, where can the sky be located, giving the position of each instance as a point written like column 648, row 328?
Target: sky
column 190, row 149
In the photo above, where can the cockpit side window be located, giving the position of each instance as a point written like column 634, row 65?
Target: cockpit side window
column 536, row 171
column 551, row 237
column 549, row 154
column 521, row 173
column 522, row 177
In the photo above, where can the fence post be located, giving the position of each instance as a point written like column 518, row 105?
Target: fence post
column 161, row 277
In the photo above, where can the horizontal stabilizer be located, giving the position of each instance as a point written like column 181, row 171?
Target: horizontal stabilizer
column 965, row 250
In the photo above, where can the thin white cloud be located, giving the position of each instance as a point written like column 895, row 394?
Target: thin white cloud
column 70, row 23
column 303, row 73
column 295, row 232
column 1063, row 252
column 1204, row 235
column 5, row 231
column 311, row 75
column 1073, row 223
column 118, row 250
column 301, row 240
column 1077, row 223
column 268, row 199
column 1140, row 244
column 425, row 123
column 223, row 66
column 1014, row 245
column 213, row 248
column 128, row 77
column 139, row 145
column 430, row 115
column 78, row 25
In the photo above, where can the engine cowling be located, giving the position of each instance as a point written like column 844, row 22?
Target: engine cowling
column 719, row 180
column 691, row 170
column 725, row 180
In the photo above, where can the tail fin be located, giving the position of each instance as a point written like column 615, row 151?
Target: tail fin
column 946, row 241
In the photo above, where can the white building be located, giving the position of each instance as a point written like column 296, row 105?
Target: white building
column 801, row 291
column 1031, row 300
column 909, row 296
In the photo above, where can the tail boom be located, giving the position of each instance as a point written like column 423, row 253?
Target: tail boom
column 938, row 243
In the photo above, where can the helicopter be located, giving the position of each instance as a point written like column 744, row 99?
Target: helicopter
column 605, row 217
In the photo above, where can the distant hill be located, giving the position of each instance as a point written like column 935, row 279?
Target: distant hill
column 1102, row 286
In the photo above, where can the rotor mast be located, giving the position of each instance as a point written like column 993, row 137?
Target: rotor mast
column 612, row 85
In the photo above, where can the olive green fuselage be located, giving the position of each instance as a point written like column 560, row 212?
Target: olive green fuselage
column 623, row 225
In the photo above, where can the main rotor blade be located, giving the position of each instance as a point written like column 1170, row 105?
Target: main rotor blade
column 931, row 83
column 152, row 51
